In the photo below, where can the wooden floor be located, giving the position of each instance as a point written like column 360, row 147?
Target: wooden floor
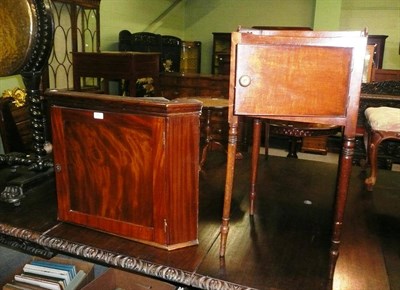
column 285, row 245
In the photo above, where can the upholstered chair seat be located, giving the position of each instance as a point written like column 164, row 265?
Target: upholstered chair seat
column 382, row 123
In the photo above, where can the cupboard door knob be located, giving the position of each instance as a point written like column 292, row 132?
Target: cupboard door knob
column 58, row 167
column 245, row 81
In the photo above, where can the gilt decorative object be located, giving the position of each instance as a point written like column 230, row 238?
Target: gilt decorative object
column 18, row 95
column 145, row 87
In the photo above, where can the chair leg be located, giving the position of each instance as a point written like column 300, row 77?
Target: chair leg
column 364, row 163
column 372, row 151
column 254, row 162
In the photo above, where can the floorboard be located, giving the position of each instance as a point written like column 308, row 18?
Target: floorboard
column 284, row 246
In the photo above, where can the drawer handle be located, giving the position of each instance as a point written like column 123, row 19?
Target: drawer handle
column 245, row 81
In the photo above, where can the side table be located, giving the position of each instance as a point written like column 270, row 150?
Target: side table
column 212, row 106
column 296, row 130
column 214, row 125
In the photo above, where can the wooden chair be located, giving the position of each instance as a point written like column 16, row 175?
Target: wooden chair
column 382, row 123
column 303, row 76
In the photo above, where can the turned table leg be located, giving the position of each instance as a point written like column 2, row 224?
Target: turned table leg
column 230, row 171
column 344, row 171
column 254, row 162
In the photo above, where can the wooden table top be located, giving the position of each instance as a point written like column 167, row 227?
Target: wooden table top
column 210, row 102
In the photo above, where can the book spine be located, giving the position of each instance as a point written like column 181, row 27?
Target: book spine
column 38, row 282
column 47, row 272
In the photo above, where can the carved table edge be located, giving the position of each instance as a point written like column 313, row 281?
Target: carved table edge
column 97, row 255
column 19, row 233
column 24, row 240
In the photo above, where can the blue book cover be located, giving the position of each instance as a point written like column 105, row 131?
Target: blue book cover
column 65, row 267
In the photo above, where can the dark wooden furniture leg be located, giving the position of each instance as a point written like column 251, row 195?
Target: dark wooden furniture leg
column 266, row 139
column 374, row 139
column 293, row 145
column 254, row 162
column 382, row 123
column 230, row 171
column 344, row 171
column 210, row 143
column 205, row 149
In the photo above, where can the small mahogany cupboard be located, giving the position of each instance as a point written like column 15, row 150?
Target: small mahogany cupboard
column 127, row 166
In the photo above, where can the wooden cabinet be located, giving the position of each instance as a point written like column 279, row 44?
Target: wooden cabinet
column 380, row 75
column 221, row 50
column 128, row 66
column 197, row 85
column 77, row 24
column 190, row 57
column 128, row 166
column 221, row 53
column 177, row 85
column 379, row 41
column 317, row 145
column 327, row 93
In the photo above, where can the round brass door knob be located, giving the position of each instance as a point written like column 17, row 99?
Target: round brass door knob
column 245, row 81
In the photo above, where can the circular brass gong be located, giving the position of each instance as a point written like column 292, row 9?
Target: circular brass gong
column 18, row 30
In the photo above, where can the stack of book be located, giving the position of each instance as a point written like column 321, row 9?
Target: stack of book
column 42, row 274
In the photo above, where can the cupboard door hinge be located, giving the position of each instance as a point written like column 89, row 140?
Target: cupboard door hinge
column 166, row 234
column 165, row 226
column 163, row 139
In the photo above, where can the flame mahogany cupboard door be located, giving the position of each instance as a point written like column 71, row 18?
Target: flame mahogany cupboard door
column 130, row 174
